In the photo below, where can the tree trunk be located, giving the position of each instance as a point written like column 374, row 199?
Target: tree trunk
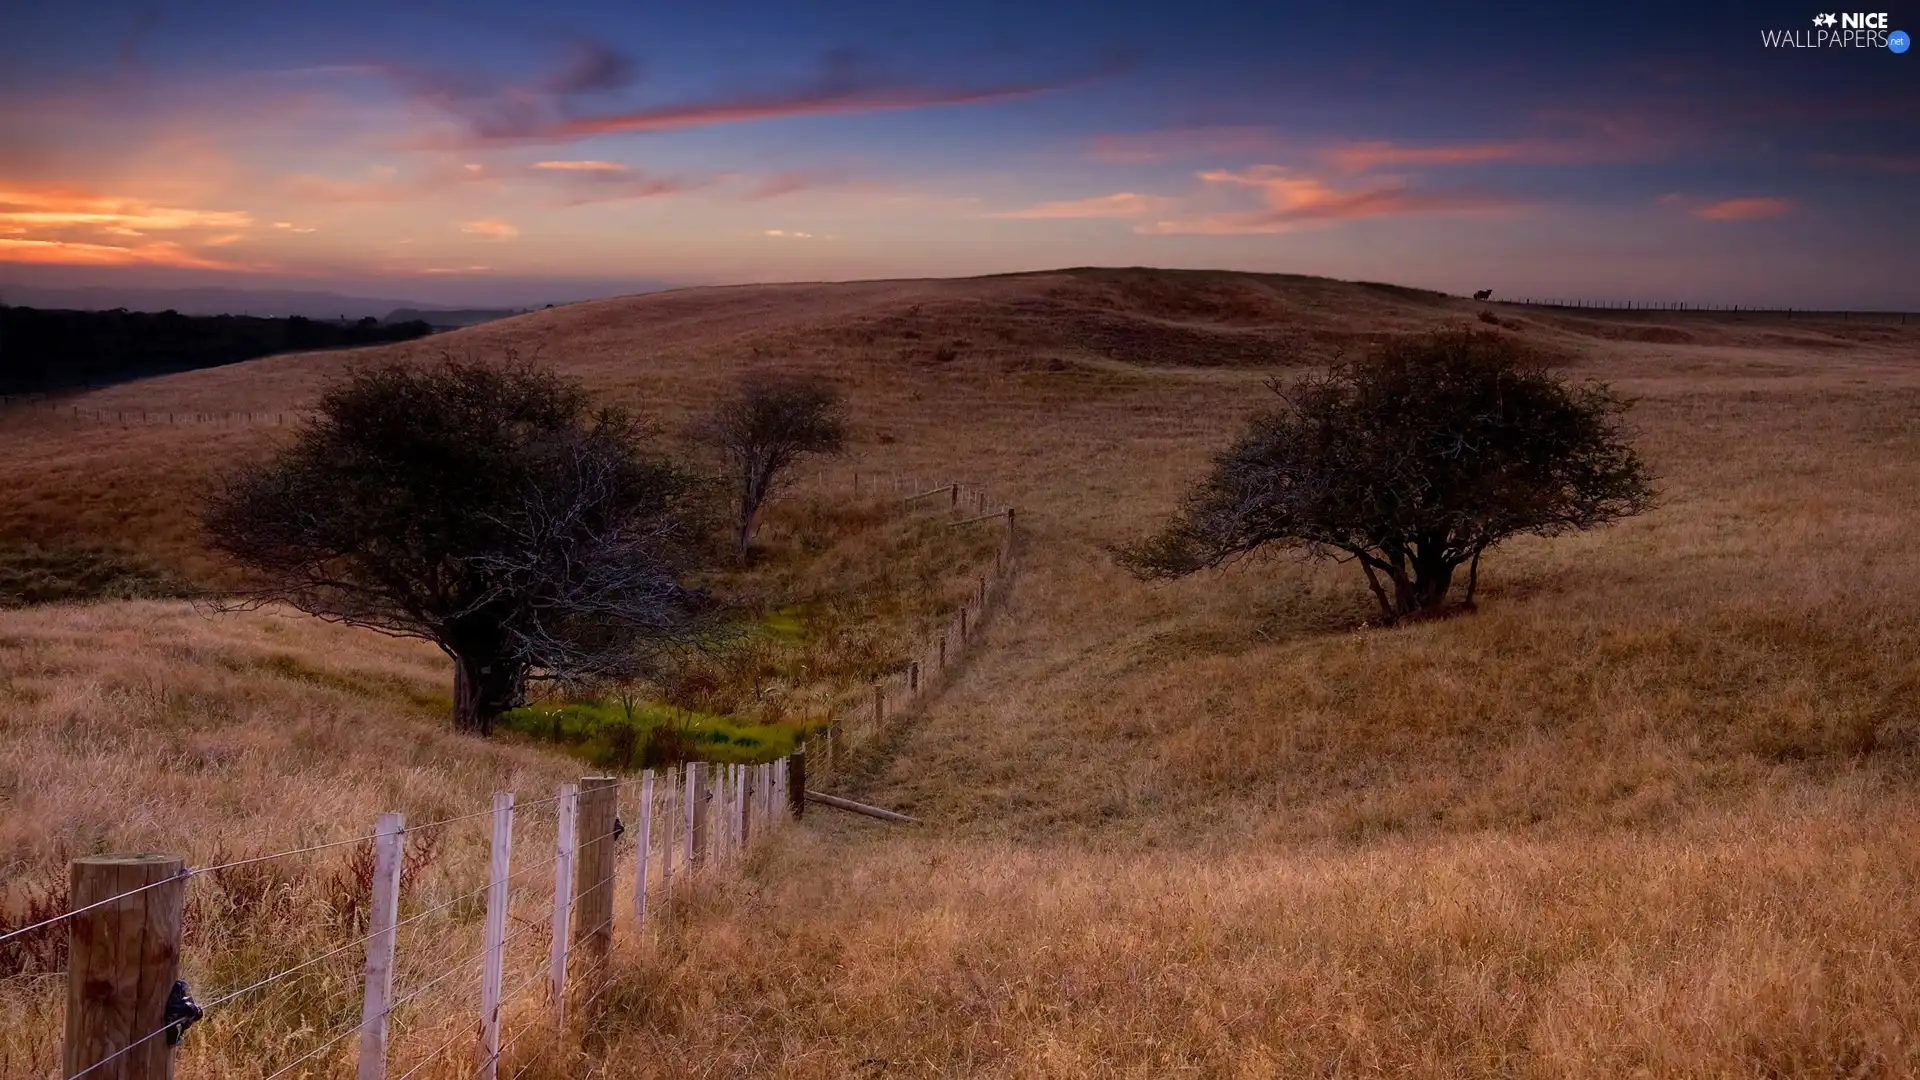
column 1427, row 592
column 482, row 690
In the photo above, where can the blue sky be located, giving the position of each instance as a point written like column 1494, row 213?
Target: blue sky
column 500, row 152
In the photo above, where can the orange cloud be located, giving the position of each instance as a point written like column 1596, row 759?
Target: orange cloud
column 582, row 166
column 129, row 217
column 1121, row 204
column 70, row 253
column 1744, row 209
column 1293, row 200
column 491, row 228
column 1362, row 156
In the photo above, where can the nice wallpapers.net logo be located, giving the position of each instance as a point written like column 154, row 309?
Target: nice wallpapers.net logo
column 1843, row 30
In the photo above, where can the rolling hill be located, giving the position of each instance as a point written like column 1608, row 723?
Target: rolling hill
column 1650, row 811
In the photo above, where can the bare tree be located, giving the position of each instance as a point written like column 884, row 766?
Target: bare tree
column 487, row 509
column 767, row 424
column 1412, row 462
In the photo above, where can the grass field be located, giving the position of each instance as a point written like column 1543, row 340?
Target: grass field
column 1651, row 811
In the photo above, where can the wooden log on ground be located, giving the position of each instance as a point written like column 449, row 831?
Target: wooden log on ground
column 860, row 808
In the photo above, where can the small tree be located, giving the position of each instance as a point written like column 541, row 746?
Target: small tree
column 1412, row 463
column 487, row 509
column 767, row 424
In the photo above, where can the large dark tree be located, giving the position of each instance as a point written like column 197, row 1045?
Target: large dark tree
column 1411, row 462
column 766, row 425
column 491, row 510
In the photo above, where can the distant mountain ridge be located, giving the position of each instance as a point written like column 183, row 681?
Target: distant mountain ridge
column 450, row 318
column 210, row 300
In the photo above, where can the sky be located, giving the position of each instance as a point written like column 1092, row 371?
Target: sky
column 474, row 151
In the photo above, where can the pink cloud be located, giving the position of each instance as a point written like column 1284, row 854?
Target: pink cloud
column 1744, row 209
column 556, row 110
column 1122, row 204
column 746, row 109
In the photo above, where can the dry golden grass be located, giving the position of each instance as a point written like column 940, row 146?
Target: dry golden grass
column 1649, row 812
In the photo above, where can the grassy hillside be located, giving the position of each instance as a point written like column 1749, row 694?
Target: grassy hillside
column 1650, row 811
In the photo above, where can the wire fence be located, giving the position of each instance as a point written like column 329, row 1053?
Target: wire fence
column 1898, row 318
column 417, row 962
column 437, row 966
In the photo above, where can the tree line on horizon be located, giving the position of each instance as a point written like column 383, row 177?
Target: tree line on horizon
column 49, row 351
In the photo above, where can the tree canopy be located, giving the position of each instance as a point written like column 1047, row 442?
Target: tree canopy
column 1412, row 462
column 489, row 509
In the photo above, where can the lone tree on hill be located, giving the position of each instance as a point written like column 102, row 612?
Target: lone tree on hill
column 1411, row 462
column 767, row 424
column 488, row 509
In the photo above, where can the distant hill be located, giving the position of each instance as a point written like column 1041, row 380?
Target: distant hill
column 451, row 318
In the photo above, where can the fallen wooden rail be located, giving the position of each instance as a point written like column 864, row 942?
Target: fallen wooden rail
column 927, row 494
column 860, row 808
column 982, row 517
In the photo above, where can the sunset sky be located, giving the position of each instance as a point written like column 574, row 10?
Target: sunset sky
column 488, row 152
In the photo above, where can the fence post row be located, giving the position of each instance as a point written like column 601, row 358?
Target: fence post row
column 389, row 845
column 124, row 953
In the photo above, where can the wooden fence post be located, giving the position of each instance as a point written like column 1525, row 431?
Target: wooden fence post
column 562, row 902
column 498, row 879
column 687, row 801
column 740, row 795
column 751, row 788
column 797, row 782
column 669, row 813
column 389, row 845
column 122, row 959
column 697, row 795
column 593, row 872
column 643, row 846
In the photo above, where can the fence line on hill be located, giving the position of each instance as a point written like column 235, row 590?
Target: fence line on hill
column 1687, row 307
column 694, row 826
column 57, row 406
column 866, row 712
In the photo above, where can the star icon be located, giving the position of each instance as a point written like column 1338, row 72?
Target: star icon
column 1824, row 20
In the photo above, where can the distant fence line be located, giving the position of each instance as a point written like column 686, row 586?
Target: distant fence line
column 1899, row 317
column 693, row 826
column 868, row 711
column 56, row 406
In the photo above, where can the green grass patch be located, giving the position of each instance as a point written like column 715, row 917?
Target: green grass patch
column 604, row 734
